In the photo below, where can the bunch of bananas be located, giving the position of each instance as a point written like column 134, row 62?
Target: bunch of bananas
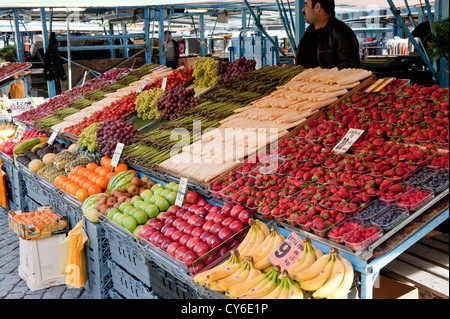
column 327, row 276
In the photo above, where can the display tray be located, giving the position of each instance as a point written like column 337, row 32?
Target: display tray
column 367, row 253
column 25, row 67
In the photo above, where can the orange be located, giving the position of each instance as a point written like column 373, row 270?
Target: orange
column 79, row 178
column 88, row 185
column 82, row 194
column 91, row 166
column 110, row 175
column 74, row 190
column 94, row 189
column 77, row 169
column 102, row 182
column 107, row 164
column 70, row 186
column 98, row 169
column 121, row 168
column 58, row 179
column 65, row 184
column 83, row 181
column 104, row 172
column 92, row 176
column 72, row 176
column 132, row 171
column 103, row 160
column 81, row 171
column 87, row 173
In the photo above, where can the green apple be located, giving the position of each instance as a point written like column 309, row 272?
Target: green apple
column 157, row 186
column 128, row 209
column 123, row 205
column 135, row 199
column 112, row 212
column 145, row 178
column 148, row 193
column 141, row 217
column 170, row 185
column 116, row 216
column 158, row 191
column 138, row 204
column 162, row 204
column 121, row 218
column 155, row 198
column 129, row 223
column 171, row 197
column 152, row 210
column 135, row 234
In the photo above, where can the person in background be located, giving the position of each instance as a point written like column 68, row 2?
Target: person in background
column 328, row 42
column 53, row 64
column 171, row 51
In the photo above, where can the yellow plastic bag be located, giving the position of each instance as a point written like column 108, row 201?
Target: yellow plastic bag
column 72, row 257
column 18, row 90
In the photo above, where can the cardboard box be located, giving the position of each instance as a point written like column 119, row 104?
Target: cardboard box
column 188, row 62
column 33, row 228
column 387, row 288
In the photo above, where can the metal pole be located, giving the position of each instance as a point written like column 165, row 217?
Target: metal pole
column 18, row 37
column 202, row 35
column 162, row 56
column 69, row 62
column 411, row 18
column 299, row 21
column 50, row 84
column 148, row 46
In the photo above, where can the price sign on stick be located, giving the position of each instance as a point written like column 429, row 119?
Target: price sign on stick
column 142, row 86
column 53, row 136
column 164, row 84
column 288, row 252
column 347, row 141
column 19, row 133
column 117, row 154
column 181, row 191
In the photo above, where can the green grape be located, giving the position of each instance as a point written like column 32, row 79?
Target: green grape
column 146, row 104
column 88, row 138
column 205, row 72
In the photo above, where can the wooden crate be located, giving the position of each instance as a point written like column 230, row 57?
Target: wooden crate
column 424, row 265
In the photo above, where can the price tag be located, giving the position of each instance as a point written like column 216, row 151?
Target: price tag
column 347, row 141
column 53, row 136
column 117, row 154
column 181, row 191
column 19, row 133
column 164, row 84
column 142, row 86
column 288, row 252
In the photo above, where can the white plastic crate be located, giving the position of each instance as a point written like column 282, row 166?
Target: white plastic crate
column 39, row 262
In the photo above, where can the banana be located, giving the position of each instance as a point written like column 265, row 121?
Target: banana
column 299, row 261
column 275, row 293
column 201, row 278
column 307, row 261
column 295, row 292
column 317, row 251
column 313, row 270
column 223, row 273
column 238, row 277
column 262, row 289
column 286, row 290
column 282, row 289
column 346, row 283
column 263, row 227
column 333, row 282
column 319, row 281
column 246, row 239
column 254, row 242
column 270, row 244
column 246, row 286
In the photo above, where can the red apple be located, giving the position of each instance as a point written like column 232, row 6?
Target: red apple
column 192, row 197
column 215, row 209
column 211, row 216
column 179, row 253
column 168, row 233
column 227, row 221
column 207, row 226
column 200, row 248
column 176, row 235
column 234, row 212
column 181, row 226
column 213, row 241
column 236, row 226
column 163, row 216
column 197, row 231
column 188, row 229
column 199, row 221
column 196, row 267
column 215, row 229
column 192, row 241
column 164, row 228
column 189, row 257
column 171, row 249
column 169, row 220
column 159, row 240
column 208, row 207
column 184, row 239
column 211, row 258
column 145, row 231
column 219, row 218
column 186, row 216
column 186, row 205
column 204, row 236
column 173, row 209
column 154, row 236
column 193, row 208
column 180, row 213
column 166, row 242
column 225, row 234
column 201, row 212
column 202, row 202
column 244, row 216
column 226, row 208
column 176, row 222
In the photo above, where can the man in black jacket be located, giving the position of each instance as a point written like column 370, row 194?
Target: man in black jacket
column 327, row 42
column 171, row 51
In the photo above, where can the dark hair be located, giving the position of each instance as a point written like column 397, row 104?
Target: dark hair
column 327, row 6
column 167, row 32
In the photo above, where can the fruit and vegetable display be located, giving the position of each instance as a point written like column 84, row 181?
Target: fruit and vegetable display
column 146, row 104
column 88, row 138
column 230, row 70
column 174, row 79
column 205, row 72
column 7, row 131
column 175, row 101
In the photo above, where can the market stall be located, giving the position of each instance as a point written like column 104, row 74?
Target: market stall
column 358, row 175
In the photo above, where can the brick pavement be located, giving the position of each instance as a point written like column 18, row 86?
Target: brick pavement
column 14, row 287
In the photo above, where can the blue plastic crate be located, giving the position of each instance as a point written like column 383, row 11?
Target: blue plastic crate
column 127, row 285
column 125, row 251
column 166, row 286
column 35, row 190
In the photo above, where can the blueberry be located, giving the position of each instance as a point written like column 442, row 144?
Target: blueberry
column 419, row 176
column 437, row 181
column 371, row 210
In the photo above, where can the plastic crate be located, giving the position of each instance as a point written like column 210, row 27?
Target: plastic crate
column 125, row 250
column 15, row 186
column 35, row 190
column 166, row 286
column 114, row 294
column 97, row 255
column 33, row 205
column 73, row 208
column 127, row 285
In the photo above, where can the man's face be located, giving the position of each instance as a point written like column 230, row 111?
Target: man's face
column 310, row 12
column 168, row 37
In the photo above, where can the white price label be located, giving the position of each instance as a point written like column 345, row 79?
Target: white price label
column 19, row 133
column 53, row 136
column 142, row 86
column 181, row 191
column 117, row 154
column 164, row 84
column 347, row 141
